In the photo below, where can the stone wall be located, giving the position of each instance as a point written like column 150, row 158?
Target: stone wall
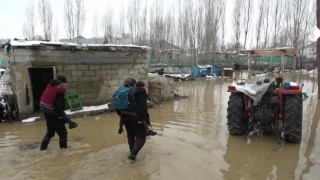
column 160, row 87
column 94, row 72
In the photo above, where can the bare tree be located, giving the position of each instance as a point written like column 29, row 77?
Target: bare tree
column 121, row 25
column 55, row 32
column 169, row 25
column 237, row 9
column 247, row 19
column 133, row 18
column 45, row 14
column 299, row 16
column 266, row 21
column 143, row 25
column 80, row 16
column 285, row 31
column 217, row 19
column 69, row 18
column 95, row 29
column 208, row 27
column 157, row 24
column 180, row 28
column 213, row 13
column 261, row 14
column 30, row 23
column 74, row 17
column 308, row 25
column 185, row 26
column 223, row 27
column 107, row 25
column 194, row 29
column 277, row 20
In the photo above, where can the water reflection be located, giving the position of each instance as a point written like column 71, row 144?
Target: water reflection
column 192, row 143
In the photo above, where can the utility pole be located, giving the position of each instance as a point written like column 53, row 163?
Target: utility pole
column 318, row 46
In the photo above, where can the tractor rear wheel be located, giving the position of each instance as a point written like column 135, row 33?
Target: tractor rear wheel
column 237, row 123
column 293, row 118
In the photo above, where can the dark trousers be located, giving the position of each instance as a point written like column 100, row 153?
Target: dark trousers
column 51, row 111
column 54, row 125
column 136, row 134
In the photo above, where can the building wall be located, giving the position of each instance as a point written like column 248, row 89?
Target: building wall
column 93, row 73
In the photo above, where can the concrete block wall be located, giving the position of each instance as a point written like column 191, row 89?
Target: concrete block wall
column 93, row 73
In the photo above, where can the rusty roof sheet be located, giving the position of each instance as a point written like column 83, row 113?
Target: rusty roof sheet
column 277, row 52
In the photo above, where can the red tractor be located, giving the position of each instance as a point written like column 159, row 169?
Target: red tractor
column 266, row 102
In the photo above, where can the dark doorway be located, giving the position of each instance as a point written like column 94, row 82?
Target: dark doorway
column 40, row 77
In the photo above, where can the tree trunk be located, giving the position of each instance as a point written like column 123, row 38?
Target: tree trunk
column 318, row 45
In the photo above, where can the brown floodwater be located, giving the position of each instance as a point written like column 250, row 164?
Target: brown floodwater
column 192, row 143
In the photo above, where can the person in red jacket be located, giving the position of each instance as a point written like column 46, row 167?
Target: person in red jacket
column 56, row 122
column 48, row 97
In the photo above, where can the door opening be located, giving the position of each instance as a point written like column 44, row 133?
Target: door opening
column 39, row 78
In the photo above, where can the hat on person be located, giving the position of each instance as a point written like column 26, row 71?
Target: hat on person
column 129, row 81
column 133, row 81
column 63, row 79
column 139, row 84
column 55, row 82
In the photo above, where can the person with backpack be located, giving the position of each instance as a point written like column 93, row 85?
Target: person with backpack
column 56, row 122
column 124, row 102
column 141, row 98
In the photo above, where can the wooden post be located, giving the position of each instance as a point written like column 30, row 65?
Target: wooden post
column 249, row 65
column 282, row 66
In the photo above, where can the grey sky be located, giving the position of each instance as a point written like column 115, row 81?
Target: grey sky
column 13, row 16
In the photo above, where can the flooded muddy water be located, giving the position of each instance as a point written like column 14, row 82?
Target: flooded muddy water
column 192, row 143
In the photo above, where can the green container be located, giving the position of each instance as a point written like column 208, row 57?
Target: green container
column 74, row 102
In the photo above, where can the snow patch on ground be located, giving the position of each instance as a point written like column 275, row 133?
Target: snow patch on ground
column 69, row 112
column 32, row 119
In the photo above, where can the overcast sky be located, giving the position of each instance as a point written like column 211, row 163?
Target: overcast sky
column 12, row 15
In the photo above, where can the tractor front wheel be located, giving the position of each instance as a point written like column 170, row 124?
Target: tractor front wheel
column 293, row 118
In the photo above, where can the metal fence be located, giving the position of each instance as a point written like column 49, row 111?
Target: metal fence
column 227, row 62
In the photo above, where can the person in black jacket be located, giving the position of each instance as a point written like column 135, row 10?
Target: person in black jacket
column 136, row 132
column 142, row 109
column 56, row 123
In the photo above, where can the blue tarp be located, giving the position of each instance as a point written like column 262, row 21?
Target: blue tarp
column 195, row 71
column 217, row 70
column 209, row 70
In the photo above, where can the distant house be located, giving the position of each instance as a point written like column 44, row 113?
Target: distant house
column 100, row 40
column 83, row 40
column 164, row 49
column 310, row 50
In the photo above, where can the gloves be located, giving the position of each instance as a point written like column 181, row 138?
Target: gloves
column 120, row 130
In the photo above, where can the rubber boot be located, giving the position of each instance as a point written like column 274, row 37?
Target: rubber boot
column 44, row 144
column 63, row 143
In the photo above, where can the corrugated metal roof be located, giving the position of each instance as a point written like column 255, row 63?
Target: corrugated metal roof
column 277, row 52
